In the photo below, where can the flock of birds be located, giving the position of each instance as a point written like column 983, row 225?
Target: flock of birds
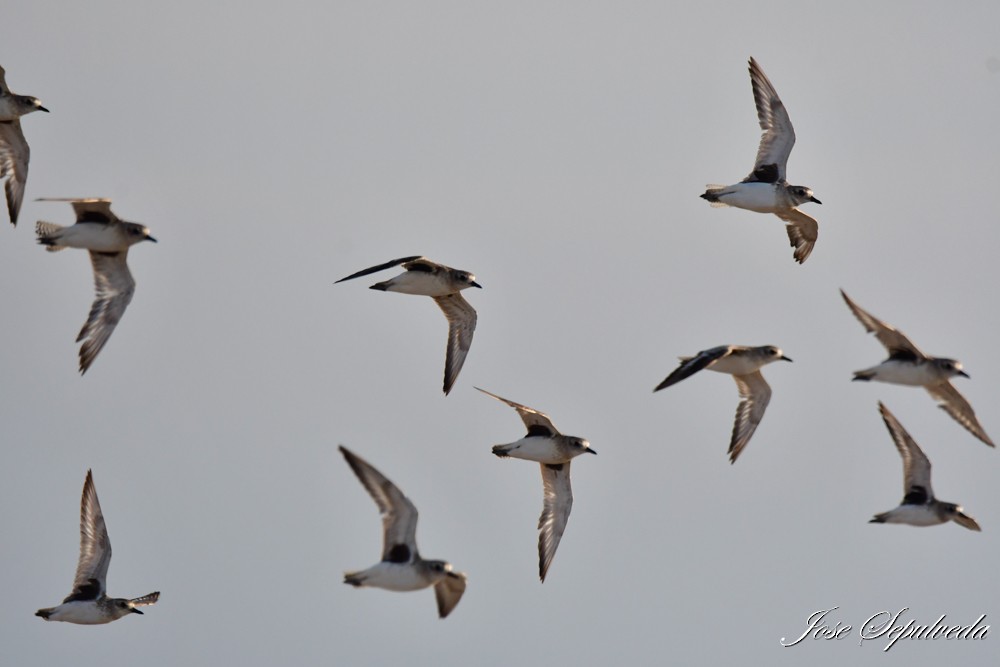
column 401, row 568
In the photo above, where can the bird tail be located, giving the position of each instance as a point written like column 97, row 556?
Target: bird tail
column 45, row 613
column 503, row 451
column 878, row 518
column 48, row 235
column 354, row 578
column 863, row 376
column 712, row 194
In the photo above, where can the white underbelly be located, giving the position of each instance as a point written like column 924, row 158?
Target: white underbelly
column 914, row 515
column 735, row 365
column 914, row 375
column 535, row 448
column 759, row 197
column 394, row 577
column 100, row 238
column 80, row 612
column 421, row 283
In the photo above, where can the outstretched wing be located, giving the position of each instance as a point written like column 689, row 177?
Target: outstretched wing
column 91, row 577
column 381, row 267
column 955, row 405
column 898, row 345
column 448, row 592
column 145, row 600
column 88, row 209
column 14, row 156
column 755, row 394
column 778, row 138
column 461, row 325
column 537, row 423
column 555, row 513
column 916, row 466
column 399, row 516
column 803, row 231
column 115, row 287
column 691, row 365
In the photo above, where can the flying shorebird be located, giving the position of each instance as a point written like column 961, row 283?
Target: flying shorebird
column 554, row 451
column 765, row 190
column 401, row 567
column 89, row 604
column 744, row 364
column 907, row 365
column 918, row 507
column 108, row 238
column 14, row 151
column 443, row 283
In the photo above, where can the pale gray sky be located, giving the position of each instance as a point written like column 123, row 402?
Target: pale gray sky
column 557, row 151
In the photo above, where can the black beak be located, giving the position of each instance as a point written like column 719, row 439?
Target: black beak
column 136, row 611
column 963, row 374
column 150, row 238
column 813, row 199
column 41, row 108
column 785, row 358
column 475, row 284
column 592, row 451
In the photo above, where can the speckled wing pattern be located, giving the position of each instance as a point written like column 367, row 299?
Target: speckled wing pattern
column 803, row 230
column 91, row 577
column 755, row 394
column 14, row 157
column 778, row 138
column 558, row 502
column 461, row 326
column 115, row 286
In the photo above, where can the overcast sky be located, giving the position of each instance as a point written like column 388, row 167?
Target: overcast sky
column 557, row 151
